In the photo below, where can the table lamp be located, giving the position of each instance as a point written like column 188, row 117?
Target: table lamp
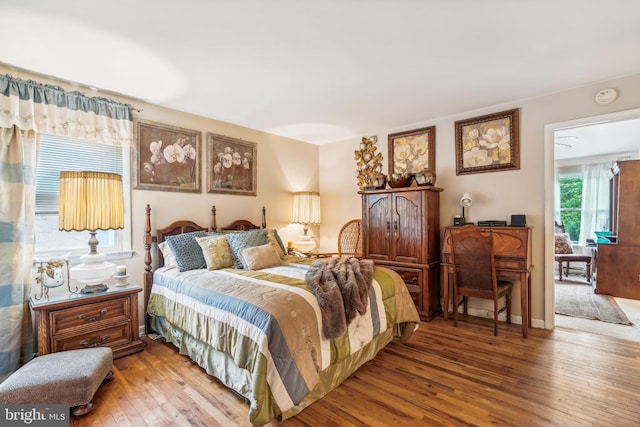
column 91, row 201
column 306, row 210
column 465, row 202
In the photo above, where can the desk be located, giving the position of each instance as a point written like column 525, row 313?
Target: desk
column 512, row 248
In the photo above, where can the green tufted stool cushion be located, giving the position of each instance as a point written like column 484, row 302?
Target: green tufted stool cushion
column 67, row 378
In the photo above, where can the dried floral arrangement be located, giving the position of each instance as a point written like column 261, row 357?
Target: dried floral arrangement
column 368, row 163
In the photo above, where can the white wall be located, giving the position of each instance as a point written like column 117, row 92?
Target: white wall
column 496, row 195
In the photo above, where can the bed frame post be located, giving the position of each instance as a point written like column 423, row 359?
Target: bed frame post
column 264, row 217
column 148, row 275
column 214, row 225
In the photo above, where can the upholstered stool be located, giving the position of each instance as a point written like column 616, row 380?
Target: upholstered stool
column 67, row 378
column 569, row 258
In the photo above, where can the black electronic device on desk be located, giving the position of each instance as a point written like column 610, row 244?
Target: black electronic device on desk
column 492, row 223
column 460, row 221
column 518, row 221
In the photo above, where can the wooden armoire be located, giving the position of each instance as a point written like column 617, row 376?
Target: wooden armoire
column 401, row 231
column 618, row 264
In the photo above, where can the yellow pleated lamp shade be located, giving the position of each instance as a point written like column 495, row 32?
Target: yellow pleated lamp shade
column 90, row 201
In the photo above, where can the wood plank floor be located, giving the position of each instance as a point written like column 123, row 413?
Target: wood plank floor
column 445, row 376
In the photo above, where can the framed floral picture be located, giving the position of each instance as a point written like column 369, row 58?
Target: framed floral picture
column 488, row 143
column 412, row 151
column 167, row 158
column 231, row 165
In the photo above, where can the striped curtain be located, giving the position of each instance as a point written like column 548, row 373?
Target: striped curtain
column 27, row 109
column 18, row 151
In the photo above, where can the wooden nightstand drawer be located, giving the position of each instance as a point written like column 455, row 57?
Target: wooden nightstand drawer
column 113, row 336
column 90, row 315
column 72, row 321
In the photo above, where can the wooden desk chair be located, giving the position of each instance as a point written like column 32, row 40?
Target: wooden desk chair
column 564, row 255
column 474, row 273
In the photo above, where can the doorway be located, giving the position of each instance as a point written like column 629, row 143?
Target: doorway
column 569, row 142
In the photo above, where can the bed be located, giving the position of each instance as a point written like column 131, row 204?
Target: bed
column 260, row 330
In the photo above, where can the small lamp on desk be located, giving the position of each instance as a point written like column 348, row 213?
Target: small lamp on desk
column 91, row 201
column 465, row 202
column 306, row 210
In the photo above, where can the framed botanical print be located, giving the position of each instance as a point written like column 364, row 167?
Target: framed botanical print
column 167, row 158
column 231, row 165
column 412, row 151
column 488, row 143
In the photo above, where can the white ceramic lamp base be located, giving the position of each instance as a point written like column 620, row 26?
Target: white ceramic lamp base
column 305, row 245
column 93, row 272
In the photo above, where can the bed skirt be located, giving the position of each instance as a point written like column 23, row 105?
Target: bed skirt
column 222, row 367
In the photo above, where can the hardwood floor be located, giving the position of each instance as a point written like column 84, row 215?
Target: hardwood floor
column 450, row 376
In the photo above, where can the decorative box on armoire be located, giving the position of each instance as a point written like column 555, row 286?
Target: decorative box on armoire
column 618, row 264
column 401, row 231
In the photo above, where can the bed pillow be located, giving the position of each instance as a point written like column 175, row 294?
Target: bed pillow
column 273, row 238
column 257, row 257
column 563, row 244
column 245, row 239
column 169, row 258
column 187, row 251
column 216, row 251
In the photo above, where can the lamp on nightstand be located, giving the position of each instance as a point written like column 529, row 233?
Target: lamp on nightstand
column 91, row 201
column 306, row 210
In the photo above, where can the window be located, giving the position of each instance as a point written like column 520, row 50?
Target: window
column 56, row 154
column 571, row 204
column 584, row 199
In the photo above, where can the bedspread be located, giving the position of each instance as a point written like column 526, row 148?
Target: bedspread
column 265, row 327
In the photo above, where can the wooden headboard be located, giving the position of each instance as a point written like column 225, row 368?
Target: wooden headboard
column 180, row 227
column 242, row 224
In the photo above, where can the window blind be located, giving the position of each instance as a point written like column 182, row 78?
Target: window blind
column 58, row 153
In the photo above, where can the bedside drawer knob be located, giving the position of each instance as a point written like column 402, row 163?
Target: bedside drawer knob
column 94, row 318
column 95, row 341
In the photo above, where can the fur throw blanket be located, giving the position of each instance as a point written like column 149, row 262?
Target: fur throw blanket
column 341, row 286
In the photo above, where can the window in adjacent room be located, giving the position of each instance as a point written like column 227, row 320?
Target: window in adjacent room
column 56, row 154
column 571, row 204
column 584, row 199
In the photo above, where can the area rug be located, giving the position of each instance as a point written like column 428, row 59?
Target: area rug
column 577, row 299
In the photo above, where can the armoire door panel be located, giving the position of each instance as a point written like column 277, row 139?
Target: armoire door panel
column 378, row 228
column 407, row 217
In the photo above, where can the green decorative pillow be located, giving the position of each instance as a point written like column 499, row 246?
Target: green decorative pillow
column 245, row 239
column 257, row 257
column 216, row 251
column 187, row 251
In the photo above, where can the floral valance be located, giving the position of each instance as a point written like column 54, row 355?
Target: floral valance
column 30, row 105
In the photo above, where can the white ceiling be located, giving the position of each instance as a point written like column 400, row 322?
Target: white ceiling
column 598, row 139
column 324, row 71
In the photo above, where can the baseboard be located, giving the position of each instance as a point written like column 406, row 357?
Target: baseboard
column 488, row 314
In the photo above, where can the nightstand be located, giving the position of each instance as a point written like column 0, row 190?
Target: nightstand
column 73, row 321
